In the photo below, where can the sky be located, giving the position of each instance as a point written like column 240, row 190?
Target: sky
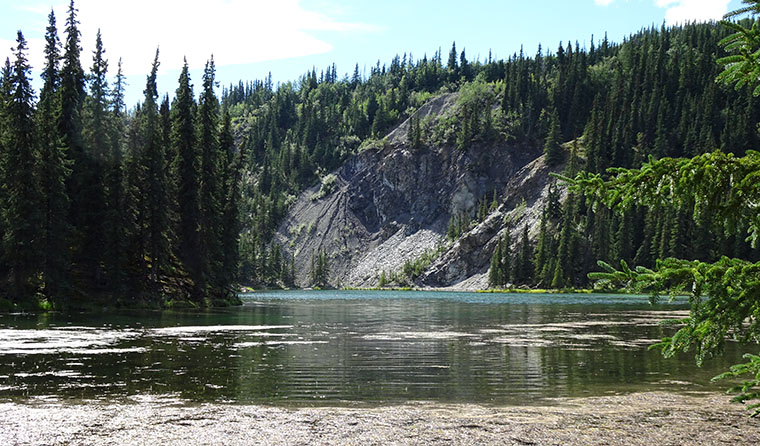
column 251, row 38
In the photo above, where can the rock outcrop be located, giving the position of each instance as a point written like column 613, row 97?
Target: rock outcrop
column 390, row 203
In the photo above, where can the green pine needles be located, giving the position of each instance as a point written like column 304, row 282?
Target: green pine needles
column 724, row 295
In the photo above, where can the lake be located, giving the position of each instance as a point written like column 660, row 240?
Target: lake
column 355, row 347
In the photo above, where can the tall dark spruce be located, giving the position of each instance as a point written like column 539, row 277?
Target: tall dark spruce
column 115, row 216
column 96, row 153
column 71, row 96
column 20, row 198
column 186, row 172
column 210, row 176
column 153, row 192
column 5, row 94
column 53, row 171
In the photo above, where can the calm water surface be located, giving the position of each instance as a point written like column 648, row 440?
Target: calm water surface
column 330, row 347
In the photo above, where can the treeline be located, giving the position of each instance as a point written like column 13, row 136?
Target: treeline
column 661, row 101
column 105, row 205
column 652, row 95
column 656, row 97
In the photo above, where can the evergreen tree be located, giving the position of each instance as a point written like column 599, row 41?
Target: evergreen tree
column 92, row 167
column 231, row 225
column 72, row 95
column 564, row 267
column 524, row 259
column 5, row 94
column 505, row 263
column 115, row 218
column 53, row 172
column 552, row 148
column 319, row 270
column 154, row 191
column 494, row 272
column 21, row 198
column 186, row 172
column 210, row 174
column 452, row 66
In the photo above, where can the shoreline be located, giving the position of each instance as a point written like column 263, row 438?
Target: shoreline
column 635, row 419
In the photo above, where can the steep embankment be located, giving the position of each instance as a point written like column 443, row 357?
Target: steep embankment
column 391, row 202
column 465, row 264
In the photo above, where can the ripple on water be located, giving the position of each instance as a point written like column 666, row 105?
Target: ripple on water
column 416, row 335
column 188, row 330
column 72, row 340
column 276, row 343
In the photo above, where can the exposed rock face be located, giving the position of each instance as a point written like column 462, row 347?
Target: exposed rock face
column 465, row 265
column 392, row 203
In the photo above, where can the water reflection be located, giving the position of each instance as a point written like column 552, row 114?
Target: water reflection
column 357, row 347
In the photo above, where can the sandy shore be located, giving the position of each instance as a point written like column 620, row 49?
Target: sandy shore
column 638, row 419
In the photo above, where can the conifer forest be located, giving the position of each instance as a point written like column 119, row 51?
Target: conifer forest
column 177, row 199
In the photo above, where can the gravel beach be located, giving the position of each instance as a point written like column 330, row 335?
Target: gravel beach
column 637, row 419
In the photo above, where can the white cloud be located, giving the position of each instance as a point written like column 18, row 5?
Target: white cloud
column 682, row 11
column 603, row 2
column 234, row 31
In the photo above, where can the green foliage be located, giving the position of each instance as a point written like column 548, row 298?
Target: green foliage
column 186, row 171
column 329, row 183
column 53, row 171
column 747, row 390
column 90, row 207
column 21, row 198
column 412, row 268
column 320, row 270
column 500, row 272
column 724, row 305
column 472, row 118
column 653, row 95
column 742, row 66
column 552, row 145
column 717, row 184
column 724, row 294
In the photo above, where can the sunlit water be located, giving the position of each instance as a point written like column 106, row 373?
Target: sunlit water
column 355, row 347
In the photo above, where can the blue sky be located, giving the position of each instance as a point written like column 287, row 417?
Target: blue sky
column 250, row 38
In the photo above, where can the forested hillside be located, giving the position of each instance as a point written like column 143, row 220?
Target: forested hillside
column 104, row 206
column 176, row 201
column 616, row 104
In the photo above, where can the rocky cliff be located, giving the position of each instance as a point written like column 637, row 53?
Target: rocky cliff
column 391, row 203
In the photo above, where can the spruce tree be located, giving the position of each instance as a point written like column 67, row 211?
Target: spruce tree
column 186, row 172
column 155, row 187
column 92, row 166
column 494, row 272
column 5, row 94
column 115, row 218
column 552, row 148
column 505, row 263
column 52, row 170
column 21, row 198
column 134, row 208
column 524, row 267
column 453, row 68
column 564, row 263
column 72, row 94
column 210, row 174
column 231, row 225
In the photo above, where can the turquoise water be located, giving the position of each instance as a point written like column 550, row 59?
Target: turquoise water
column 351, row 347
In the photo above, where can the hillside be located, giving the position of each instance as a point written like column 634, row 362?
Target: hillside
column 391, row 203
column 411, row 176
